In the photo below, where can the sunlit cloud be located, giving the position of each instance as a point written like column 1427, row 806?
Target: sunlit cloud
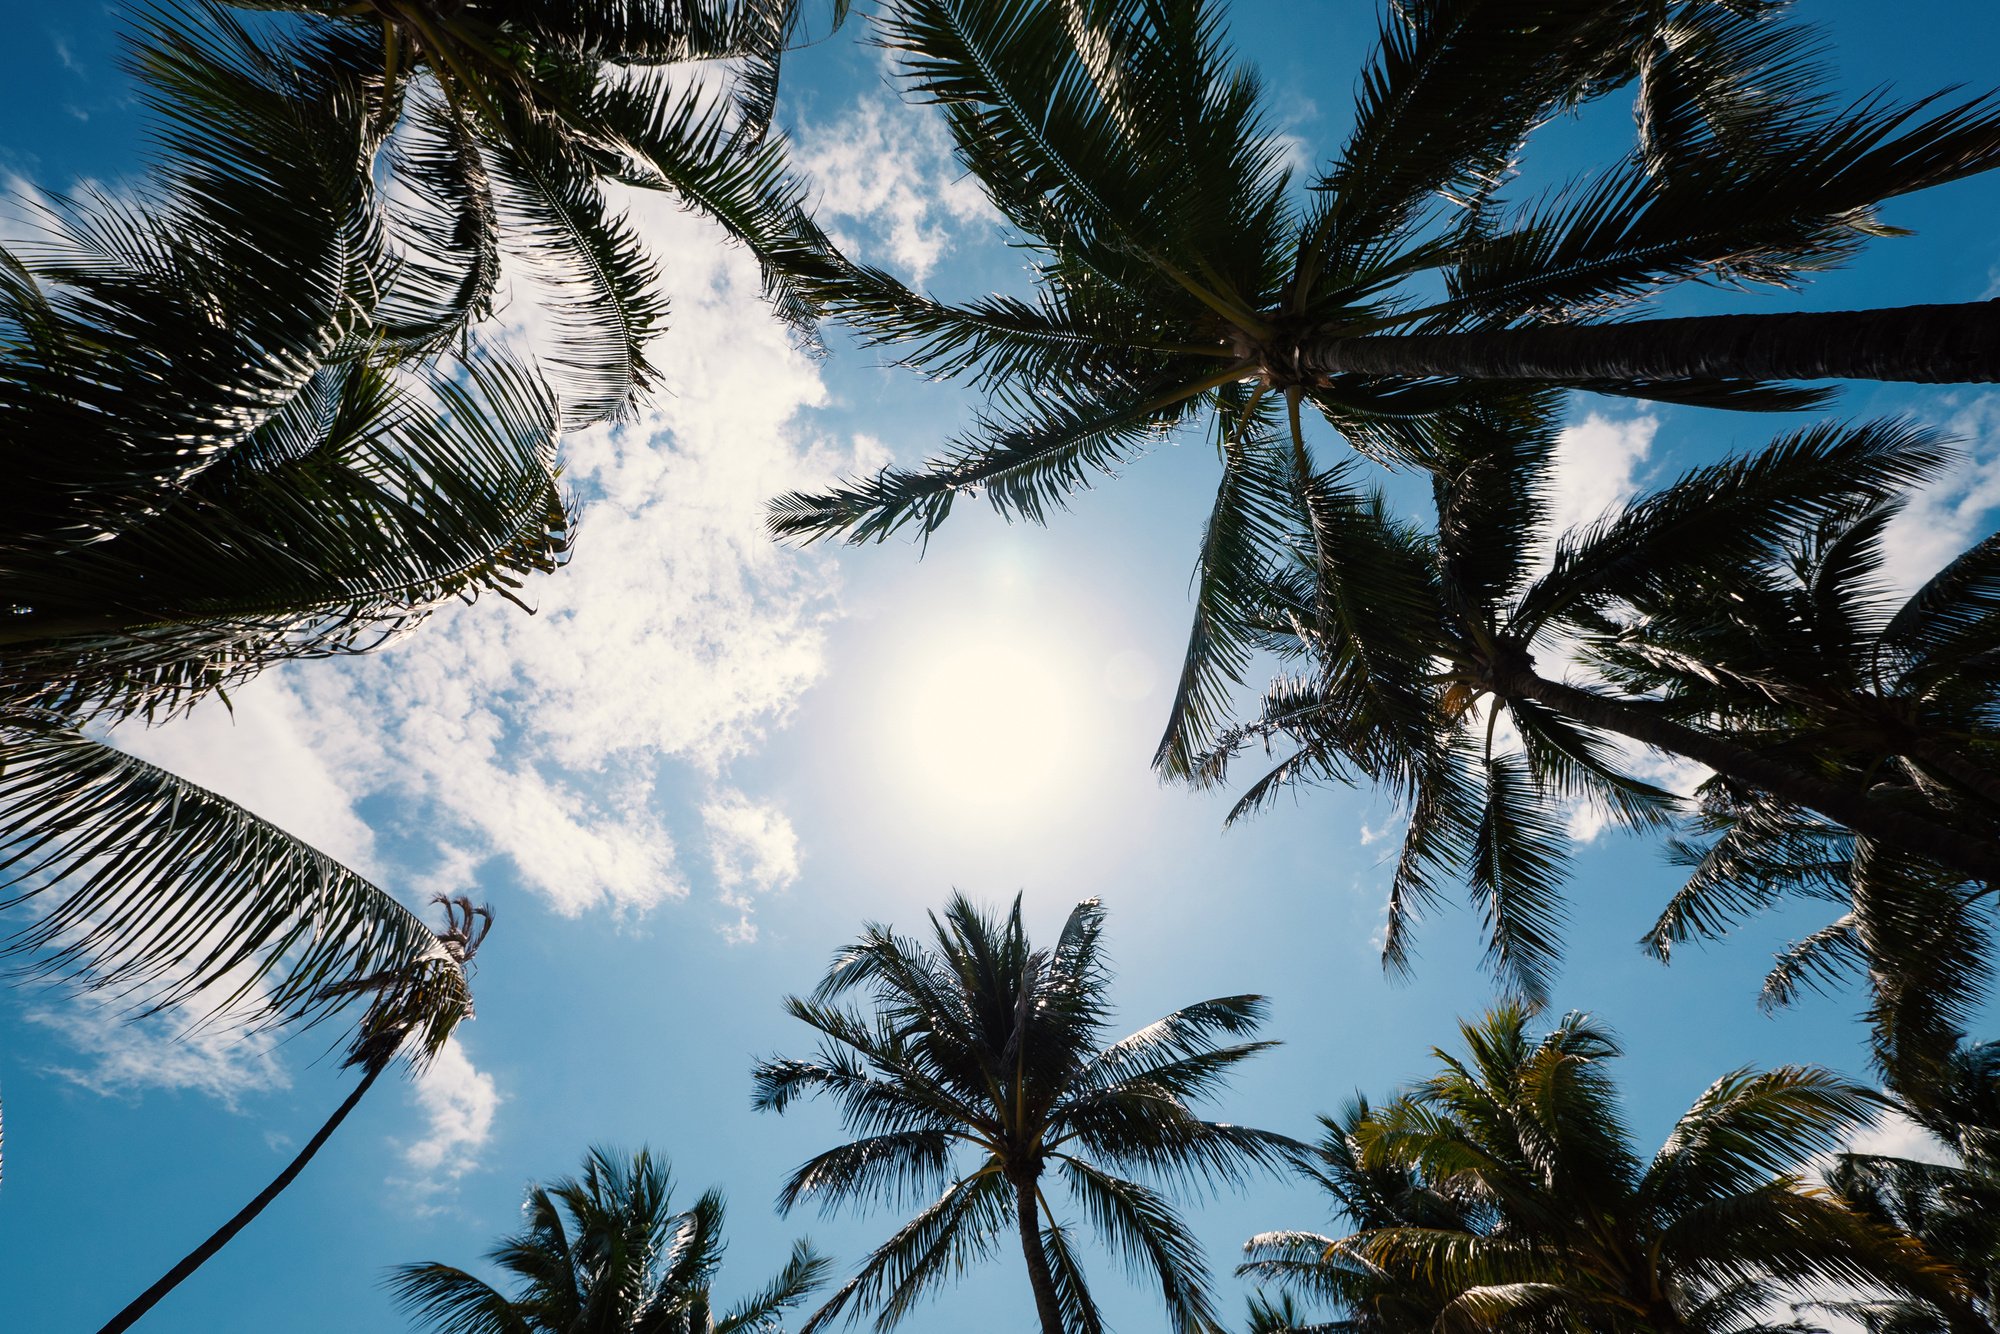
column 458, row 1103
column 1597, row 467
column 1894, row 1135
column 887, row 168
column 1948, row 516
column 120, row 1057
column 753, row 850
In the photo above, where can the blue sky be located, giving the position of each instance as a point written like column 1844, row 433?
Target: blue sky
column 708, row 760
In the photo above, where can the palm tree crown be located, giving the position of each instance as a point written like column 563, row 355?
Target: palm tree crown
column 1567, row 1226
column 1420, row 641
column 500, row 121
column 980, row 1042
column 246, row 477
column 606, row 1253
column 1179, row 274
column 1952, row 1208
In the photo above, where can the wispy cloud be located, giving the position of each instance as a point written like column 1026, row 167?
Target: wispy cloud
column 120, row 1057
column 888, row 168
column 1948, row 516
column 458, row 1102
column 753, row 850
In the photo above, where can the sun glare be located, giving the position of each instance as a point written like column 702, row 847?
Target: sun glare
column 992, row 723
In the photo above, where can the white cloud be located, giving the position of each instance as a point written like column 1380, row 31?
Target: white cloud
column 125, row 1058
column 1948, row 516
column 679, row 633
column 1895, row 1135
column 458, row 1102
column 1597, row 467
column 753, row 850
column 889, row 167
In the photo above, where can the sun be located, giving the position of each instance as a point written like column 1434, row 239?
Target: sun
column 994, row 720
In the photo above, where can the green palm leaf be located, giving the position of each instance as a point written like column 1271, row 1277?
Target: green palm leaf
column 172, row 896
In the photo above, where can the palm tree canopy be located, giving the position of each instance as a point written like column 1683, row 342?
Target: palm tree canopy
column 1952, row 1208
column 1568, row 1225
column 606, row 1253
column 1179, row 275
column 244, row 477
column 499, row 123
column 980, row 1047
column 1812, row 655
column 1367, row 1190
column 1417, row 641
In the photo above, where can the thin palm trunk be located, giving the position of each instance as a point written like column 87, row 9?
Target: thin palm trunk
column 1039, row 1277
column 221, row 1237
column 1975, row 858
column 1944, row 344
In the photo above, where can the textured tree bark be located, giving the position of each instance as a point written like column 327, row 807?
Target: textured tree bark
column 1039, row 1277
column 201, row 1254
column 1975, row 858
column 1947, row 344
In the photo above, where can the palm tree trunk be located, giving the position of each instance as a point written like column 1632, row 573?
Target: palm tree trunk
column 1975, row 858
column 1952, row 765
column 1039, row 1277
column 1954, row 344
column 201, row 1254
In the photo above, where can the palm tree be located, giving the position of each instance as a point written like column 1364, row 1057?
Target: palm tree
column 1954, row 1210
column 498, row 122
column 1919, row 935
column 1578, row 1231
column 412, row 1012
column 242, row 478
column 1420, row 642
column 1368, row 1191
column 1178, row 272
column 1809, row 656
column 980, row 1042
column 601, row 1253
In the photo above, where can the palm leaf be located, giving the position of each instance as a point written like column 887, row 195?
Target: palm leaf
column 167, row 895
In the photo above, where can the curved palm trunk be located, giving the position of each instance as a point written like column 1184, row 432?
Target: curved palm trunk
column 1954, row 344
column 1039, row 1277
column 221, row 1237
column 1974, row 858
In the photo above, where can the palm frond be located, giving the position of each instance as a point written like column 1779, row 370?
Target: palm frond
column 598, row 285
column 1516, row 872
column 340, row 523
column 167, row 895
column 1251, row 512
column 451, row 1301
column 804, row 1274
column 961, row 1226
column 1151, row 1238
column 1728, row 515
column 1027, row 465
